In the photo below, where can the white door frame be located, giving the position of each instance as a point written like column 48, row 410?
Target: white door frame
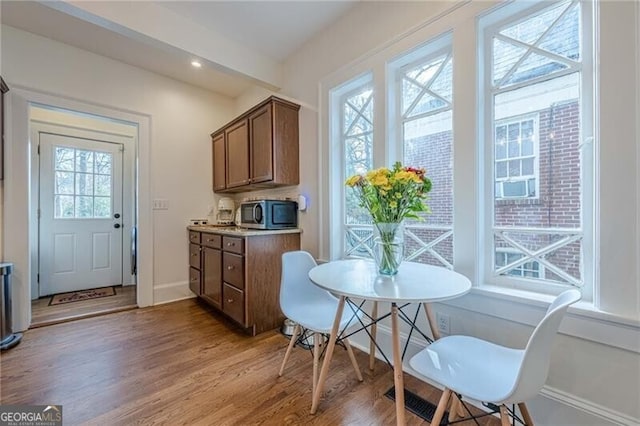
column 129, row 142
column 20, row 224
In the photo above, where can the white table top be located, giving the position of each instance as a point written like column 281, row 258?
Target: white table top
column 415, row 282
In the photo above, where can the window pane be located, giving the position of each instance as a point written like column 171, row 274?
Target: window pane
column 102, row 207
column 63, row 183
column 64, row 158
column 63, row 206
column 501, row 169
column 551, row 30
column 102, row 185
column 428, row 143
column 537, row 171
column 103, row 163
column 84, row 161
column 357, row 139
column 84, row 184
column 84, row 206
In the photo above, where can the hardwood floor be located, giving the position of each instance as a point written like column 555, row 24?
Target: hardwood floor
column 181, row 363
column 42, row 314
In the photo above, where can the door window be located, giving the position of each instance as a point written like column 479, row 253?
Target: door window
column 83, row 183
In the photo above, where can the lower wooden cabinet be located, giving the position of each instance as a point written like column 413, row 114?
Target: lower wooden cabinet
column 211, row 277
column 240, row 276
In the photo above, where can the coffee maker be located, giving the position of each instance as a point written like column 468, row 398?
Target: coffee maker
column 226, row 208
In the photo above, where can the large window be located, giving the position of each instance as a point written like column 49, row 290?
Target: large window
column 356, row 134
column 426, row 102
column 536, row 124
column 509, row 125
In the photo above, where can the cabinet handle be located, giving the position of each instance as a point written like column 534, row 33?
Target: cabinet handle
column 193, row 255
column 229, row 267
column 194, row 280
column 209, row 240
column 229, row 300
column 231, row 244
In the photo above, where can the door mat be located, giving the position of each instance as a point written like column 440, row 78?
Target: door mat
column 78, row 296
column 418, row 406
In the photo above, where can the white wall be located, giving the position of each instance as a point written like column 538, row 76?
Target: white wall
column 182, row 117
column 591, row 381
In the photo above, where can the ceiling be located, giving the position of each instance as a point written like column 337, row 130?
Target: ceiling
column 272, row 30
column 276, row 28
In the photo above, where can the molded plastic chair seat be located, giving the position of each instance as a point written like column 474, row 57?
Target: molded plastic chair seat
column 318, row 315
column 492, row 373
column 470, row 372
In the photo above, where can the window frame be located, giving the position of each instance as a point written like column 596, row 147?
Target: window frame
column 490, row 24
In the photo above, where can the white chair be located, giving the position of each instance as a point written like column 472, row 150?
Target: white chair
column 310, row 307
column 490, row 373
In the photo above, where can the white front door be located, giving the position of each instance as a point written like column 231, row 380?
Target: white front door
column 80, row 213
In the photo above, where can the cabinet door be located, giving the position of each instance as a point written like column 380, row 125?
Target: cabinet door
column 212, row 276
column 234, row 304
column 237, row 154
column 194, row 256
column 194, row 281
column 261, row 139
column 219, row 162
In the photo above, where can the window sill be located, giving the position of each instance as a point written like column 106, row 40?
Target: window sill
column 582, row 320
column 518, row 202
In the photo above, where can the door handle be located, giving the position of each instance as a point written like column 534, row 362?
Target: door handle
column 117, row 225
column 117, row 215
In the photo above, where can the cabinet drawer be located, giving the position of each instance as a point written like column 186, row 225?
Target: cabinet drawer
column 233, row 303
column 194, row 237
column 194, row 256
column 234, row 245
column 211, row 240
column 194, row 281
column 233, row 269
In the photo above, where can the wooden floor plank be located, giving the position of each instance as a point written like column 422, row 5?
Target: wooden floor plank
column 181, row 363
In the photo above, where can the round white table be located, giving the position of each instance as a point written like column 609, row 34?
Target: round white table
column 414, row 283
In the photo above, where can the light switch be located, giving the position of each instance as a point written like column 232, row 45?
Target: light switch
column 161, row 204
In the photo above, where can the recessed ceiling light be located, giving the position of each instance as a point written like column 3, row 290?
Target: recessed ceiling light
column 196, row 64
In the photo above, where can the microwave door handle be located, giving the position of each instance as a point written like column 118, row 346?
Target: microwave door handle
column 254, row 215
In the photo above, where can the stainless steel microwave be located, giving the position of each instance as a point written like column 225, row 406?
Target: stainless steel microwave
column 269, row 214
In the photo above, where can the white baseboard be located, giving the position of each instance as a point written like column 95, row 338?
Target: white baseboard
column 171, row 292
column 552, row 407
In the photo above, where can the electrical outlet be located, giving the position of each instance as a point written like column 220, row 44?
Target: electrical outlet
column 443, row 323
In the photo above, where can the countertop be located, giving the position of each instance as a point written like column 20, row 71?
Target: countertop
column 241, row 232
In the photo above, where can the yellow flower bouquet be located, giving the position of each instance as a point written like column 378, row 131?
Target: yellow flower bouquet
column 390, row 196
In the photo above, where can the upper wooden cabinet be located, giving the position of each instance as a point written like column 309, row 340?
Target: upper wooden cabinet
column 219, row 163
column 259, row 149
column 237, row 154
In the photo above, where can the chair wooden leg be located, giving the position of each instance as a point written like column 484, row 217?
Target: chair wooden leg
column 504, row 416
column 327, row 357
column 525, row 414
column 292, row 343
column 352, row 357
column 431, row 319
column 453, row 408
column 442, row 405
column 316, row 361
column 372, row 343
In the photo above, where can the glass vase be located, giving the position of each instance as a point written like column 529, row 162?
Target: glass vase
column 388, row 247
